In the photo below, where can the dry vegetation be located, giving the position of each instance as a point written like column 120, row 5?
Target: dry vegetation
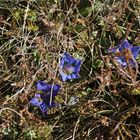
column 33, row 36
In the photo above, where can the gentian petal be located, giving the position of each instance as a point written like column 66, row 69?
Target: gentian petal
column 75, row 75
column 121, row 61
column 69, row 76
column 36, row 101
column 43, row 107
column 53, row 104
column 78, row 66
column 68, row 58
column 135, row 51
column 43, row 86
column 64, row 76
column 112, row 50
column 125, row 44
column 56, row 88
column 54, row 91
column 61, row 63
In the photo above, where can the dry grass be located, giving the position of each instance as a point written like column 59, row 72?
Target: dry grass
column 34, row 35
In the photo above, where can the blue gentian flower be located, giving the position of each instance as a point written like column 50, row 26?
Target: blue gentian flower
column 69, row 67
column 45, row 100
column 121, row 49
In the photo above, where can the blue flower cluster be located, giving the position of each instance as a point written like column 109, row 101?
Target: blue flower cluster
column 45, row 100
column 125, row 53
column 69, row 69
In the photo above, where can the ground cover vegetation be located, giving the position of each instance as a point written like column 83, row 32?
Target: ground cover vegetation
column 69, row 69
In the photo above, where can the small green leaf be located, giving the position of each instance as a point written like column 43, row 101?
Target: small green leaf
column 59, row 99
column 85, row 11
column 33, row 28
column 97, row 63
column 136, row 92
column 79, row 27
column 32, row 15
